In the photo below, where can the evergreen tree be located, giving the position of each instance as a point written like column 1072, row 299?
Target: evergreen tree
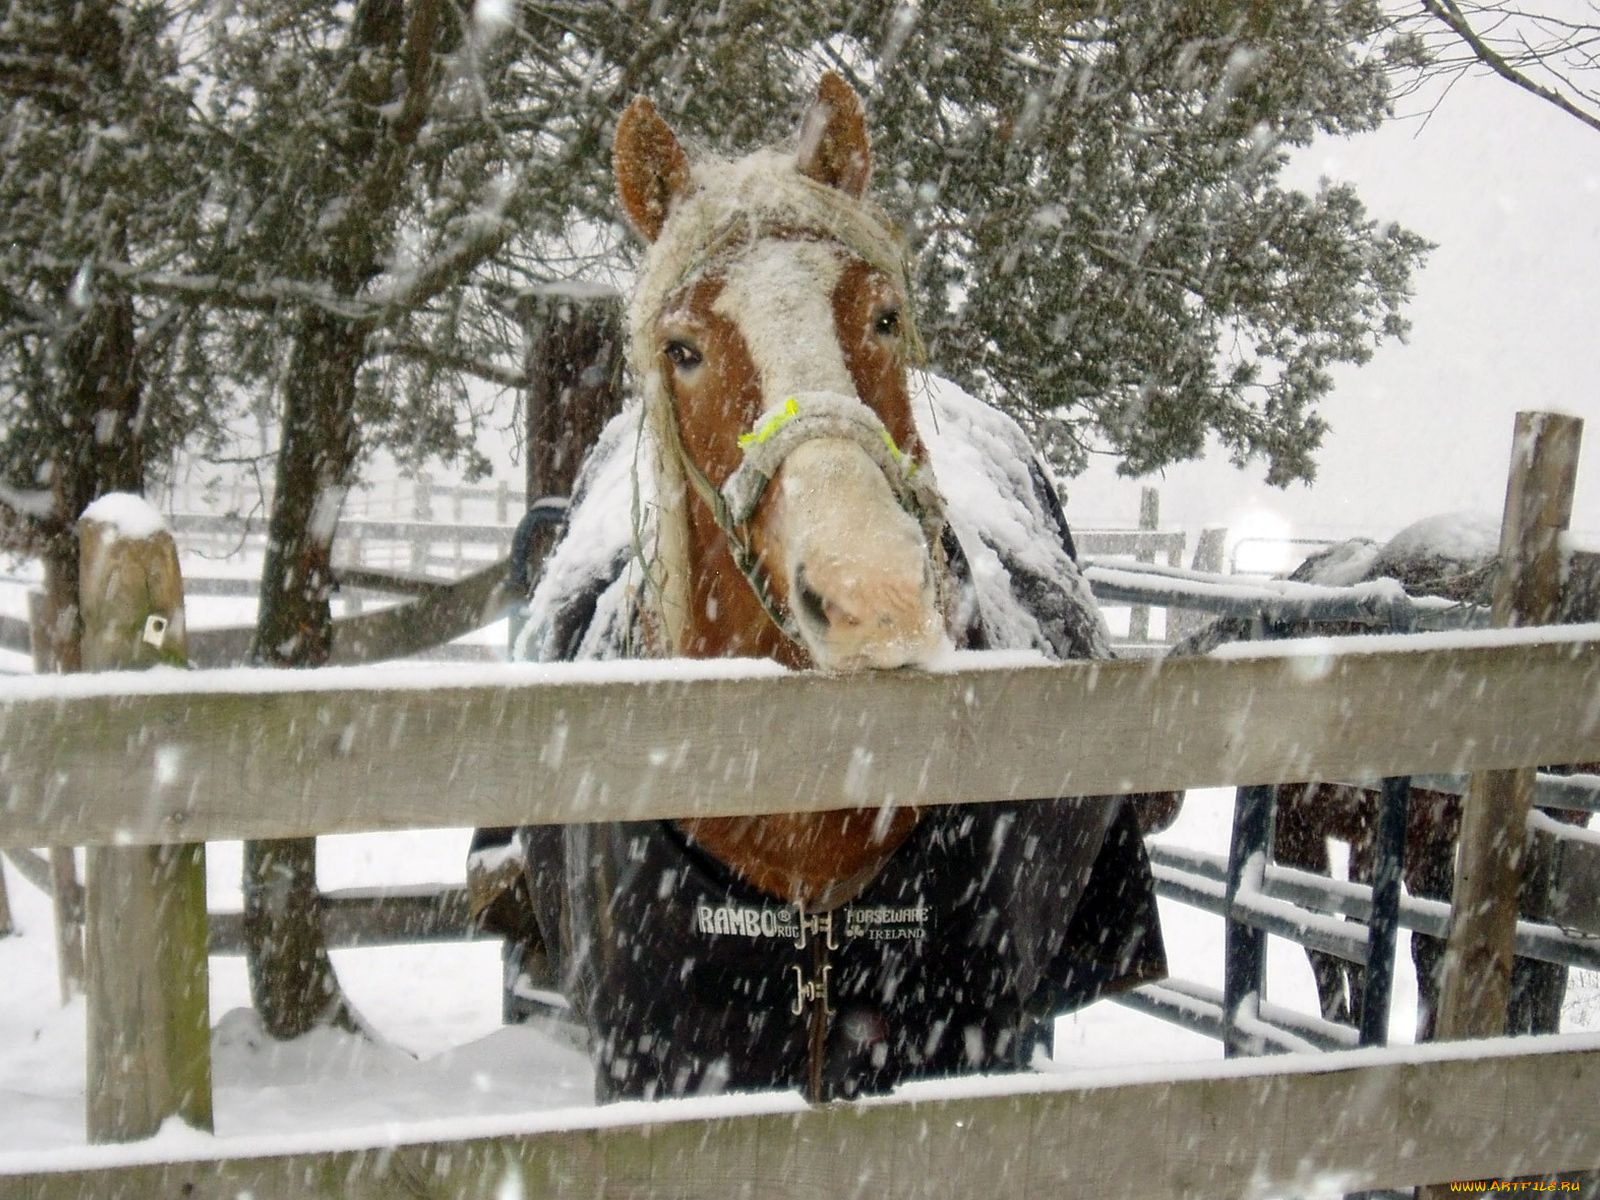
column 96, row 187
column 1106, row 246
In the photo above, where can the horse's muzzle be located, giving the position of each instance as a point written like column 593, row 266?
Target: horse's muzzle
column 858, row 572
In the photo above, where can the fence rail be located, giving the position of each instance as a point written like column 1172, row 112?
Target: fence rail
column 1351, row 1120
column 379, row 557
column 206, row 756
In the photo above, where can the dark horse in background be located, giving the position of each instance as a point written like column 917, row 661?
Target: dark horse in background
column 773, row 495
column 1452, row 557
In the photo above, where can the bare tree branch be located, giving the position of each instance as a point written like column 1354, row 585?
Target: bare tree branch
column 1449, row 13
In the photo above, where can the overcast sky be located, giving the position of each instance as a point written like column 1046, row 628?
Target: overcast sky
column 1504, row 318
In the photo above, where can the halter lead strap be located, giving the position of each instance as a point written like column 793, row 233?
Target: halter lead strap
column 732, row 531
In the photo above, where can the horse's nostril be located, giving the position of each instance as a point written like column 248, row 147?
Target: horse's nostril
column 811, row 605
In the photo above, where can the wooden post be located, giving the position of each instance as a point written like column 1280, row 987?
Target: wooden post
column 1150, row 519
column 575, row 373
column 6, row 926
column 1209, row 550
column 1476, row 973
column 422, row 510
column 574, row 368
column 1208, row 557
column 66, row 901
column 149, row 1026
column 64, row 891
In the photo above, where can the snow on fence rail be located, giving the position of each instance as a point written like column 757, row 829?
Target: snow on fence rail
column 169, row 757
column 207, row 755
column 1323, row 1123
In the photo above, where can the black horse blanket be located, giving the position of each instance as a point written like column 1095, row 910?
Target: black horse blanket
column 987, row 922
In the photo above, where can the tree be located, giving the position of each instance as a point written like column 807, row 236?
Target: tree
column 1547, row 50
column 381, row 163
column 85, row 365
column 1092, row 192
column 1105, row 244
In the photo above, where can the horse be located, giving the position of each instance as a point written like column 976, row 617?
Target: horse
column 1452, row 556
column 772, row 494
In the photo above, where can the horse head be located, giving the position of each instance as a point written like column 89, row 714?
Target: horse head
column 798, row 519
column 772, row 332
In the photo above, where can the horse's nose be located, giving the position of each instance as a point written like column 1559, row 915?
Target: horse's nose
column 850, row 596
column 859, row 578
column 865, row 613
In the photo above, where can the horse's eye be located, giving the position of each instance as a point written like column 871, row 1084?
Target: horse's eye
column 682, row 355
column 888, row 322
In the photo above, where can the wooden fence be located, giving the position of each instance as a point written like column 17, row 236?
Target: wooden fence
column 223, row 755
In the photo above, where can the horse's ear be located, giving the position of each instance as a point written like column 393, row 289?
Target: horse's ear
column 834, row 148
column 652, row 169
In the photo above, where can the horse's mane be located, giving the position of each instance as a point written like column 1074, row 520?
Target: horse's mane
column 730, row 203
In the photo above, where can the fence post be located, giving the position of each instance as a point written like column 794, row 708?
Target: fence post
column 5, row 905
column 1383, row 927
column 1244, row 947
column 66, row 901
column 149, row 1027
column 1208, row 557
column 64, row 890
column 574, row 339
column 1476, row 974
column 422, row 510
column 1150, row 519
column 574, row 370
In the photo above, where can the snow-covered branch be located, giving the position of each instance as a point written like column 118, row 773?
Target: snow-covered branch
column 479, row 368
column 212, row 289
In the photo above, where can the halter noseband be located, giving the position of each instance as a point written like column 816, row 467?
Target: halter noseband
column 802, row 418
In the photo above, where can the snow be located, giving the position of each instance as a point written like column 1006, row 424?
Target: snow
column 129, row 516
column 236, row 681
column 1463, row 639
column 981, row 459
column 441, row 1049
column 1248, row 589
column 492, row 17
column 1463, row 537
column 1560, row 829
column 39, row 502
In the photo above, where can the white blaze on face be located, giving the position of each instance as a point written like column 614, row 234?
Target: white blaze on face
column 859, row 580
column 780, row 296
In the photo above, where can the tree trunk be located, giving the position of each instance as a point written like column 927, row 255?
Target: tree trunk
column 292, row 981
column 101, row 451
